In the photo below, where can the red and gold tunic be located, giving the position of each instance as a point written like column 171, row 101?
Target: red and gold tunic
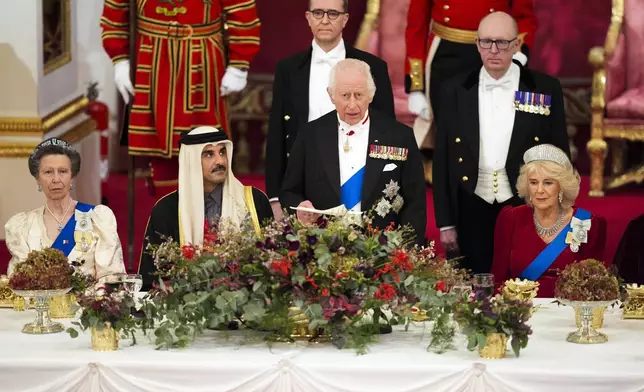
column 180, row 62
column 456, row 21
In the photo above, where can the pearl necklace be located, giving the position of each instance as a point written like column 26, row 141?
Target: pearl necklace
column 60, row 221
column 545, row 232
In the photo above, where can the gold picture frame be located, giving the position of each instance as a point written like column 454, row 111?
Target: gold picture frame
column 57, row 34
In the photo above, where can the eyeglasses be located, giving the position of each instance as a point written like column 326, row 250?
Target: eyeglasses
column 501, row 44
column 332, row 14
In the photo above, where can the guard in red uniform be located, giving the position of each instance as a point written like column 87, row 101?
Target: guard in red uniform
column 183, row 70
column 440, row 38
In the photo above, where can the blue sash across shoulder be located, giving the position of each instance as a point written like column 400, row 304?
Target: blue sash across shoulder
column 65, row 241
column 548, row 256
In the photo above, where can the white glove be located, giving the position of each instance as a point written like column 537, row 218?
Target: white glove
column 122, row 79
column 418, row 104
column 234, row 80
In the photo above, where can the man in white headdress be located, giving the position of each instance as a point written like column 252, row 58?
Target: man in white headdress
column 208, row 193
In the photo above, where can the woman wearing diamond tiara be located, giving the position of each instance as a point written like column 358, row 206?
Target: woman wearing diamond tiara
column 535, row 240
column 81, row 231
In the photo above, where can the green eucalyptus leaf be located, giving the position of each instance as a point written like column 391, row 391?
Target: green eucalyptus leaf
column 257, row 285
column 481, row 339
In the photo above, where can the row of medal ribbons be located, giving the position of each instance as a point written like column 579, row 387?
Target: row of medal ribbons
column 529, row 102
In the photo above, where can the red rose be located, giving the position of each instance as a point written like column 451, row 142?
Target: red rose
column 385, row 292
column 188, row 251
column 325, row 292
column 440, row 286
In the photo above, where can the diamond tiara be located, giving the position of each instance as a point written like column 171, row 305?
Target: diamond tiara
column 547, row 152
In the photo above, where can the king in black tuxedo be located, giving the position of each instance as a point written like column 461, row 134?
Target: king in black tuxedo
column 290, row 107
column 458, row 203
column 382, row 149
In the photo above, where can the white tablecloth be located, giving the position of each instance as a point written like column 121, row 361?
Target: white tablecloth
column 399, row 362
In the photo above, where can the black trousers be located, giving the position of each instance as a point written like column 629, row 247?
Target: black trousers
column 475, row 229
column 450, row 59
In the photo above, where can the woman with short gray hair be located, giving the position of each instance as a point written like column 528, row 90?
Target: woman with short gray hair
column 81, row 231
column 537, row 239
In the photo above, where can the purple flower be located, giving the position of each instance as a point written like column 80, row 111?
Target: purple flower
column 311, row 239
column 322, row 222
column 382, row 239
column 293, row 245
column 259, row 245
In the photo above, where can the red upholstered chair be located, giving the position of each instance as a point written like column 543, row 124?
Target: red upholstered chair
column 617, row 95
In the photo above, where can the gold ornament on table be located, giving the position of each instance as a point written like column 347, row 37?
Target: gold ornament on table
column 62, row 306
column 589, row 287
column 106, row 339
column 521, row 290
column 634, row 304
column 598, row 317
column 496, row 346
column 42, row 324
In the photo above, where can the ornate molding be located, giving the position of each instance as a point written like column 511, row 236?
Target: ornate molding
column 26, row 126
column 633, row 133
column 80, row 131
column 369, row 24
column 75, row 134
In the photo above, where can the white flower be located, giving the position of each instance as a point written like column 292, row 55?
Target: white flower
column 383, row 207
column 391, row 189
column 398, row 203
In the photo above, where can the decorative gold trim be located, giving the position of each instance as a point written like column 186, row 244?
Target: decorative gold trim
column 634, row 133
column 369, row 24
column 416, row 74
column 596, row 147
column 615, row 27
column 80, row 131
column 66, row 56
column 453, row 34
column 635, row 175
column 35, row 126
column 77, row 133
column 16, row 150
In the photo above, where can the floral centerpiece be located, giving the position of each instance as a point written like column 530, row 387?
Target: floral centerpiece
column 46, row 269
column 335, row 272
column 488, row 323
column 589, row 287
column 108, row 313
column 43, row 275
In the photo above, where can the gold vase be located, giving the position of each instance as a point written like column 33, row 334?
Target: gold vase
column 634, row 304
column 598, row 317
column 495, row 347
column 62, row 306
column 19, row 303
column 106, row 339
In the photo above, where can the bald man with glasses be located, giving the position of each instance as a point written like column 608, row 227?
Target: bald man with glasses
column 300, row 87
column 489, row 117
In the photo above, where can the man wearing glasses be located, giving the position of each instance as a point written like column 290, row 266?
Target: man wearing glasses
column 440, row 44
column 488, row 118
column 300, row 87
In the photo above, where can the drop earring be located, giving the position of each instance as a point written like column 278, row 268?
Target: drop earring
column 71, row 187
column 39, row 188
column 560, row 197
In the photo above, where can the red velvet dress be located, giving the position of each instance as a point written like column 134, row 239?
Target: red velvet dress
column 517, row 244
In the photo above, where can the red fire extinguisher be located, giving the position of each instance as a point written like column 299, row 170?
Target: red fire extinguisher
column 100, row 112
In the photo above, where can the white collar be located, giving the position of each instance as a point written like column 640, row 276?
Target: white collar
column 511, row 74
column 362, row 124
column 338, row 52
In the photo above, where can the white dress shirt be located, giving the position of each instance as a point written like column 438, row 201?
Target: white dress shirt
column 353, row 160
column 496, row 119
column 321, row 64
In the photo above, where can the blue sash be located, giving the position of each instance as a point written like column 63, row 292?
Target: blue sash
column 351, row 191
column 548, row 256
column 65, row 241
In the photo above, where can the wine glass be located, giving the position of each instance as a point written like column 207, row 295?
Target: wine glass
column 483, row 286
column 133, row 283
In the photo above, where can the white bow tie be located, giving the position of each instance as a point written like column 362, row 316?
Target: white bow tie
column 505, row 83
column 325, row 58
